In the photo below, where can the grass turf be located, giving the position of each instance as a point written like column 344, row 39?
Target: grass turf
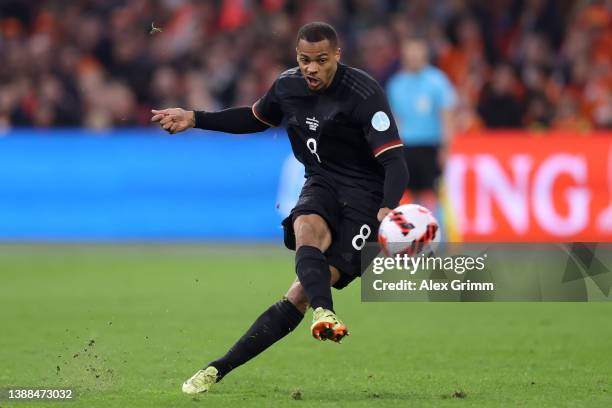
column 126, row 325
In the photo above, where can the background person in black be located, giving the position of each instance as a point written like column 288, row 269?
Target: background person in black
column 341, row 128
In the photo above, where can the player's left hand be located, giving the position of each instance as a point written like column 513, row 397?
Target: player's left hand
column 382, row 213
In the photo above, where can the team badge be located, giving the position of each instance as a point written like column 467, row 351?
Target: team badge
column 380, row 121
column 312, row 123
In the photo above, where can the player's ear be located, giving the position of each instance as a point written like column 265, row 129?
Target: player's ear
column 337, row 54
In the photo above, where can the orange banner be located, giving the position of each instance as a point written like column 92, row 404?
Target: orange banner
column 513, row 186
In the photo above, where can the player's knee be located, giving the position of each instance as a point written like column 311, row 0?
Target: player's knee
column 312, row 230
column 297, row 297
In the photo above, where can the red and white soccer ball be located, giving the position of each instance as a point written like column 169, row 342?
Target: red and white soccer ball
column 409, row 229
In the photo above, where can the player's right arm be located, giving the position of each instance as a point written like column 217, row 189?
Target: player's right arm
column 264, row 113
column 233, row 120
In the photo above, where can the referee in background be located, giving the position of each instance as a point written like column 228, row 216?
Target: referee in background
column 422, row 100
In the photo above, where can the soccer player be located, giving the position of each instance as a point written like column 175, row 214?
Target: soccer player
column 341, row 128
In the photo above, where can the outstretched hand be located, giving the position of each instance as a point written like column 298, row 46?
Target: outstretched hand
column 174, row 120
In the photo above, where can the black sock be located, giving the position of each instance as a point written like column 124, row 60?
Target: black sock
column 313, row 272
column 273, row 324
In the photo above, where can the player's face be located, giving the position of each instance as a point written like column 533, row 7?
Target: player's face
column 318, row 62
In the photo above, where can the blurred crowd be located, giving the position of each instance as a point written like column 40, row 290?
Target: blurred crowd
column 104, row 63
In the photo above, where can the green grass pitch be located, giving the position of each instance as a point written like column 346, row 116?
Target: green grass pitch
column 125, row 325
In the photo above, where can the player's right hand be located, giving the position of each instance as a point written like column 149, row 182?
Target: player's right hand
column 174, row 120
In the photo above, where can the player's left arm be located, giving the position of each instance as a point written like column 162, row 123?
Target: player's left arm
column 381, row 133
column 396, row 180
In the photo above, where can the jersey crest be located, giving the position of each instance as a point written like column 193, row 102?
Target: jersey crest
column 312, row 123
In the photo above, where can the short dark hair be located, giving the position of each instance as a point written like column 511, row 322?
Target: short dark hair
column 318, row 31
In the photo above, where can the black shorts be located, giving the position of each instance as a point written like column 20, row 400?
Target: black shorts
column 423, row 167
column 351, row 227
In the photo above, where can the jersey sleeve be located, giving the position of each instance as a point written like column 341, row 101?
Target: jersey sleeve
column 267, row 108
column 374, row 115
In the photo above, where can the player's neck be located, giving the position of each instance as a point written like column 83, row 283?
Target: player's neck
column 335, row 78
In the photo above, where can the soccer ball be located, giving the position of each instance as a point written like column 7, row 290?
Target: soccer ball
column 409, row 229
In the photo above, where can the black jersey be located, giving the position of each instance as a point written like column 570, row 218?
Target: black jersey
column 337, row 133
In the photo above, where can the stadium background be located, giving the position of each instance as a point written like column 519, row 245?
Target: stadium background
column 120, row 272
column 78, row 80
